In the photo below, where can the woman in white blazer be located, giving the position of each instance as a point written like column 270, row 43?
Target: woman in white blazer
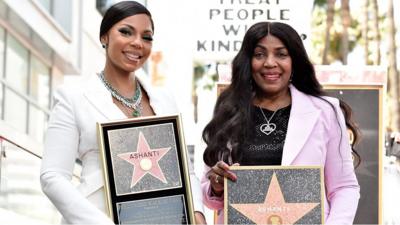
column 126, row 34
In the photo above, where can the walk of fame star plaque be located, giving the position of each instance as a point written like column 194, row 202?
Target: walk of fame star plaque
column 145, row 171
column 275, row 195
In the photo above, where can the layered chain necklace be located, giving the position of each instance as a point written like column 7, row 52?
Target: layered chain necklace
column 134, row 103
column 268, row 127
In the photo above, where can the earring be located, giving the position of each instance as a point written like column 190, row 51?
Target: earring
column 291, row 77
column 104, row 45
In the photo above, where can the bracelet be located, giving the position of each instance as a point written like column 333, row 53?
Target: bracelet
column 213, row 193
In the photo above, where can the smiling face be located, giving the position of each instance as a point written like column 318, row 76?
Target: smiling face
column 271, row 67
column 129, row 43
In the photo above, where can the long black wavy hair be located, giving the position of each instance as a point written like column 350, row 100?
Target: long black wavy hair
column 232, row 118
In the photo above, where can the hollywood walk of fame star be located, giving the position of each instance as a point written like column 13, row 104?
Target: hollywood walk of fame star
column 274, row 206
column 145, row 161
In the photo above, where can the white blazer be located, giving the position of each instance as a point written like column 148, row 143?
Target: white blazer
column 72, row 134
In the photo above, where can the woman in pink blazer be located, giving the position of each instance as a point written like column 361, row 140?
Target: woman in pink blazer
column 276, row 113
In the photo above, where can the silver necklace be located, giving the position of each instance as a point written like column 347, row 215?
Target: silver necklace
column 267, row 128
column 134, row 103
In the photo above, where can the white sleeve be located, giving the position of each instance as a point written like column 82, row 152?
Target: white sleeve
column 60, row 151
column 196, row 190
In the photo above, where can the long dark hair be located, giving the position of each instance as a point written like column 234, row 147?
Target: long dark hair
column 232, row 122
column 354, row 129
column 120, row 11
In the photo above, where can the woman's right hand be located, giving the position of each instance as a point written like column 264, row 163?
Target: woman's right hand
column 216, row 176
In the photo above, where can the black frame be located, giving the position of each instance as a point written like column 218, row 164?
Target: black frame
column 366, row 103
column 135, row 199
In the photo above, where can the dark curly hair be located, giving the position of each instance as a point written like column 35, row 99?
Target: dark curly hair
column 232, row 120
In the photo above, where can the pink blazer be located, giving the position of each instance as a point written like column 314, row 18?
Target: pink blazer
column 313, row 138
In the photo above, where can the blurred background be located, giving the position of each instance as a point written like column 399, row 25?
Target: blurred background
column 45, row 43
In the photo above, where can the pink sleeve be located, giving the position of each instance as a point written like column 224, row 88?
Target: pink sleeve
column 209, row 200
column 342, row 189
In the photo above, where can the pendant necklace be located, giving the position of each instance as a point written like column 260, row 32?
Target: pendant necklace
column 267, row 128
column 134, row 103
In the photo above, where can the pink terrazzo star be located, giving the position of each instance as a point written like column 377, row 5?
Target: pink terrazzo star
column 145, row 161
column 274, row 210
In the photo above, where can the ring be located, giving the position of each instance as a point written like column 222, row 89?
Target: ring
column 216, row 178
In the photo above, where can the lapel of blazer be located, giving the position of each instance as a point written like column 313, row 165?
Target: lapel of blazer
column 98, row 95
column 303, row 117
column 154, row 98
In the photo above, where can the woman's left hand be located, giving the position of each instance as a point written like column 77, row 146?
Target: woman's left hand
column 216, row 176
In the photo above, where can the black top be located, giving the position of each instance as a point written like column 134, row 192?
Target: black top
column 266, row 146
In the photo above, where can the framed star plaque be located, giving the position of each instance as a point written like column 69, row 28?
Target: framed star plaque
column 146, row 171
column 275, row 195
